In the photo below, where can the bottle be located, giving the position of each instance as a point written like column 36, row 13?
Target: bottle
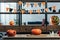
column 52, row 34
column 43, row 22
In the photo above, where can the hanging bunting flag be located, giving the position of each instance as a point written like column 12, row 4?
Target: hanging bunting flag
column 30, row 11
column 7, row 9
column 38, row 11
column 27, row 4
column 54, row 7
column 50, row 8
column 43, row 3
column 35, row 4
column 42, row 10
column 14, row 10
column 22, row 11
column 20, row 3
column 10, row 9
column 39, row 4
column 31, row 5
column 46, row 9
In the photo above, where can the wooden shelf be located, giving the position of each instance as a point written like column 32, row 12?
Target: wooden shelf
column 18, row 13
column 33, row 0
column 53, row 0
column 9, row 13
column 9, row 0
column 9, row 25
column 52, row 13
column 29, row 13
column 22, row 0
column 35, row 13
column 45, row 13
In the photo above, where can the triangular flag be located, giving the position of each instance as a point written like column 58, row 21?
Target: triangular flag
column 35, row 4
column 20, row 3
column 30, row 11
column 38, row 11
column 27, row 4
column 43, row 3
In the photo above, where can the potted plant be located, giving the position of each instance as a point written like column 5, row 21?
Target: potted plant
column 54, row 20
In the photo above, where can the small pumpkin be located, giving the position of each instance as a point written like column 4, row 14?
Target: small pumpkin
column 11, row 22
column 11, row 32
column 36, row 31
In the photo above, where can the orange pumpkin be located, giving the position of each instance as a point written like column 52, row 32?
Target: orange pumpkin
column 11, row 32
column 36, row 31
column 11, row 22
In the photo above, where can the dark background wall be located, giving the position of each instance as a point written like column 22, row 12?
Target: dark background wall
column 9, row 0
column 26, row 0
column 19, row 0
column 54, row 0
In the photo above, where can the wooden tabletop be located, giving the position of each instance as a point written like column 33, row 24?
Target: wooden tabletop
column 34, row 36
